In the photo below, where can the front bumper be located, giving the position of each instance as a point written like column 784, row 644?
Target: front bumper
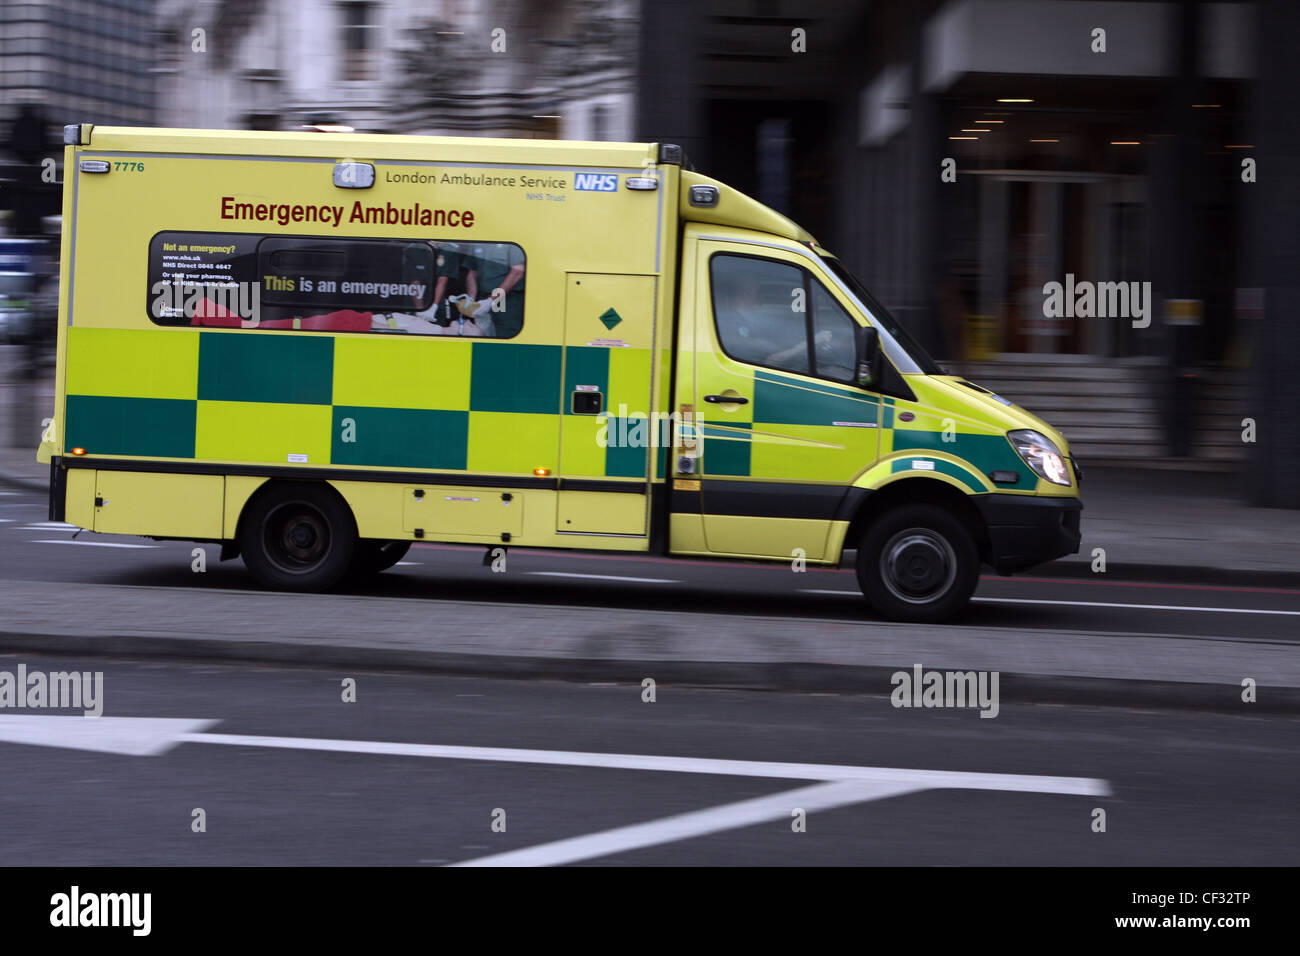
column 1024, row 530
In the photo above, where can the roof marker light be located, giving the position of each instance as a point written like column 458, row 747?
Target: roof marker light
column 352, row 175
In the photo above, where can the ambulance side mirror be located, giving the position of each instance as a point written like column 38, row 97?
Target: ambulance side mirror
column 868, row 358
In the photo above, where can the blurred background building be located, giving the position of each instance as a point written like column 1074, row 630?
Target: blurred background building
column 1096, row 139
column 458, row 67
column 63, row 58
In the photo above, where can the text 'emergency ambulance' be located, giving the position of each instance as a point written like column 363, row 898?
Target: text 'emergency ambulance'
column 387, row 214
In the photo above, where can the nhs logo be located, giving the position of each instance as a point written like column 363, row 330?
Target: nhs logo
column 596, row 182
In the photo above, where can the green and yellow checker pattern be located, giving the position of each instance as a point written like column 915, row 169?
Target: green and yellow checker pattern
column 622, row 376
column 369, row 401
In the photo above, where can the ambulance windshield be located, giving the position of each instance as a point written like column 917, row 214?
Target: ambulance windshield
column 882, row 318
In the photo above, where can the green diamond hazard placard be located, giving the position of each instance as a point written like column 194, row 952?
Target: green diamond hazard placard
column 610, row 318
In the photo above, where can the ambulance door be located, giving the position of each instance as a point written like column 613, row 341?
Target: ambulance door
column 784, row 433
column 606, row 430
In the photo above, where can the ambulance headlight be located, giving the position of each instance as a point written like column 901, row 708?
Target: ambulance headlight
column 1041, row 455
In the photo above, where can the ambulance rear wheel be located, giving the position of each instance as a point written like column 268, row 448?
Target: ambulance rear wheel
column 918, row 563
column 298, row 537
column 371, row 557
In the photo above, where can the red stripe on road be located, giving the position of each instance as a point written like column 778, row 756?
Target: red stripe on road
column 1140, row 584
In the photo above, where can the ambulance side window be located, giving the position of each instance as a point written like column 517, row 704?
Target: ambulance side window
column 759, row 310
column 778, row 315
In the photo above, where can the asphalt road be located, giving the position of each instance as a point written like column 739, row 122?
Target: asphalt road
column 1178, row 788
column 31, row 548
column 1182, row 788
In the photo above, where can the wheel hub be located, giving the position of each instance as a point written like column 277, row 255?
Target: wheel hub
column 297, row 538
column 918, row 565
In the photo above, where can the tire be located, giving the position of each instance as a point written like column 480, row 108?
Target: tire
column 372, row 557
column 918, row 563
column 298, row 537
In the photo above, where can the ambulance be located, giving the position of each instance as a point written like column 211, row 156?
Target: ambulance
column 316, row 349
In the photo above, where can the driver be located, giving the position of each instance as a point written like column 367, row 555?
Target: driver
column 758, row 332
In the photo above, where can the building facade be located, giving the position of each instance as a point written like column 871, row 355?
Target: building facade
column 963, row 157
column 450, row 67
column 65, row 61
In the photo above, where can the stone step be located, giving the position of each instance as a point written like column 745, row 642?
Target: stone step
column 1161, row 462
column 1217, row 421
column 1219, row 439
column 1223, row 406
column 1107, row 451
column 1075, row 417
column 1085, row 373
column 1049, row 387
column 1138, row 436
column 1093, row 408
column 1220, row 452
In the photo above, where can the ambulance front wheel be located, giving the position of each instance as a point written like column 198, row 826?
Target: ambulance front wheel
column 918, row 563
column 297, row 537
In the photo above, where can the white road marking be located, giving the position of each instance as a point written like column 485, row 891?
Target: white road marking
column 1135, row 607
column 406, row 564
column 156, row 735
column 89, row 544
column 603, row 577
column 134, row 736
column 50, row 526
column 729, row 816
column 838, row 784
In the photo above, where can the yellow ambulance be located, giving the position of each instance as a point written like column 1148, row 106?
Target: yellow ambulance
column 316, row 349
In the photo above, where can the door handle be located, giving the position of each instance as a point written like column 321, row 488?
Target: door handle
column 726, row 400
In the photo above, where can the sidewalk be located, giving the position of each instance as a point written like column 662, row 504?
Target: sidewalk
column 1179, row 521
column 1151, row 524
